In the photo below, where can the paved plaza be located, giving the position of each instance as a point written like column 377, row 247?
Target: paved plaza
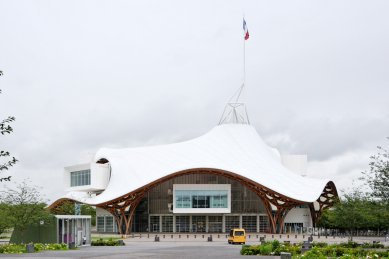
column 190, row 246
column 164, row 250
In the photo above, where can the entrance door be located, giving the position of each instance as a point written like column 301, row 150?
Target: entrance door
column 198, row 224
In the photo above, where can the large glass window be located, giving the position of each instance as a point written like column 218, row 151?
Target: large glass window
column 201, row 199
column 154, row 223
column 232, row 222
column 167, row 223
column 182, row 223
column 249, row 223
column 80, row 178
column 100, row 224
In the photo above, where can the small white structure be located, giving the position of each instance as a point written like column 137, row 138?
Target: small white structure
column 73, row 229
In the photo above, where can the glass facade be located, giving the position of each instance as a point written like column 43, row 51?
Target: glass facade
column 249, row 223
column 215, row 224
column 201, row 199
column 232, row 222
column 167, row 223
column 182, row 223
column 80, row 178
column 155, row 214
column 199, row 224
column 154, row 223
column 106, row 224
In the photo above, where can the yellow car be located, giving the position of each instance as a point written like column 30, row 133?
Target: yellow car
column 237, row 236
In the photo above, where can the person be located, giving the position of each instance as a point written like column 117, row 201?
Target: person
column 84, row 240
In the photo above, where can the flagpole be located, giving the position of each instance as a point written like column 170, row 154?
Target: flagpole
column 244, row 58
column 244, row 66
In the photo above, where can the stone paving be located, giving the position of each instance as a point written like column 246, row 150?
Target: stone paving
column 251, row 238
column 187, row 246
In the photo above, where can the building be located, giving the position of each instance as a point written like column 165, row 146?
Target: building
column 224, row 179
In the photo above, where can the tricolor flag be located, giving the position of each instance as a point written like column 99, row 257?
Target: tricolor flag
column 246, row 31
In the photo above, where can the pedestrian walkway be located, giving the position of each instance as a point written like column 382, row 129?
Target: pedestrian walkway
column 251, row 238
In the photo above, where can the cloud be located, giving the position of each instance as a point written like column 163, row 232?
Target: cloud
column 142, row 73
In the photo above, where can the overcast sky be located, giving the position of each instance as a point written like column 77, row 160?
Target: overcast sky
column 81, row 75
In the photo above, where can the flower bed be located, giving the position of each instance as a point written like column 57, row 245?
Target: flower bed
column 319, row 250
column 21, row 248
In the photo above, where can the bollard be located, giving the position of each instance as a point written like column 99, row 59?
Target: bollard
column 156, row 239
column 210, row 238
column 272, row 236
column 163, row 236
column 285, row 255
column 30, row 248
column 72, row 245
column 172, row 236
column 295, row 236
column 148, row 235
column 288, row 236
column 203, row 236
column 249, row 236
column 218, row 236
column 179, row 236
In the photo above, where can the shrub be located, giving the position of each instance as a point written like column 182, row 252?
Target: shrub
column 314, row 253
column 319, row 244
column 275, row 244
column 266, row 249
column 109, row 242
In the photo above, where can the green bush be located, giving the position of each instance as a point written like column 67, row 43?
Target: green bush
column 275, row 244
column 21, row 248
column 319, row 250
column 266, row 249
column 319, row 244
column 314, row 253
column 109, row 242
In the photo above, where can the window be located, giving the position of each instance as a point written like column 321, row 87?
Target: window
column 80, row 178
column 100, row 224
column 201, row 199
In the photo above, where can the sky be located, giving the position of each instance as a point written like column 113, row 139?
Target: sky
column 81, row 75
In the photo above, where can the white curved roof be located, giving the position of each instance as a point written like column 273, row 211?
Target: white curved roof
column 235, row 148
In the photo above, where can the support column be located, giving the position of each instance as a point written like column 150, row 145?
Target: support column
column 224, row 223
column 206, row 224
column 160, row 223
column 190, row 223
column 257, row 223
column 174, row 223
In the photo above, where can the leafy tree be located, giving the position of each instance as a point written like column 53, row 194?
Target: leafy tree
column 67, row 208
column 5, row 220
column 25, row 206
column 5, row 128
column 378, row 175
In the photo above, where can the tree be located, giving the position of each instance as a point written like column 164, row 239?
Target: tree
column 5, row 128
column 24, row 206
column 5, row 220
column 67, row 208
column 378, row 175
